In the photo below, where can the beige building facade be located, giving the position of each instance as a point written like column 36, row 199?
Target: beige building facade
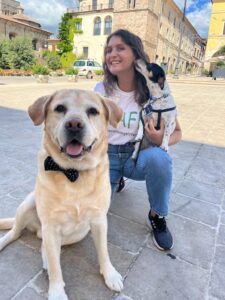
column 171, row 29
column 216, row 37
column 157, row 22
column 96, row 25
column 14, row 23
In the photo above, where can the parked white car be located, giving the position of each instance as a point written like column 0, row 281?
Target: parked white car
column 87, row 67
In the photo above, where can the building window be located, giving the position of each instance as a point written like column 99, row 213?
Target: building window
column 169, row 16
column 85, row 52
column 94, row 4
column 78, row 26
column 108, row 25
column 111, row 3
column 174, row 22
column 97, row 26
column 12, row 35
column 34, row 44
column 224, row 28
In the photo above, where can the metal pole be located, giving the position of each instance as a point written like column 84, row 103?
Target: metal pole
column 176, row 74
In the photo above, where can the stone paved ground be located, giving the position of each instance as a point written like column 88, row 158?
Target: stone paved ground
column 193, row 270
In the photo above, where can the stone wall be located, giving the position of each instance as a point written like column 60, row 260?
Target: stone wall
column 9, row 6
column 7, row 28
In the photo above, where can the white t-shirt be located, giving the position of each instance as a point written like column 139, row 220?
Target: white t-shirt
column 128, row 126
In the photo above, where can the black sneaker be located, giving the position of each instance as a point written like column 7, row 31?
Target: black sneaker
column 121, row 185
column 162, row 237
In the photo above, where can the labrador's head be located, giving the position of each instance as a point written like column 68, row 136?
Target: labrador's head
column 75, row 124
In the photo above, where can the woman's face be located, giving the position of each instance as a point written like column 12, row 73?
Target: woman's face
column 119, row 56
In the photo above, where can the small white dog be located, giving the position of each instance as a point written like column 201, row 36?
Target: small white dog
column 159, row 105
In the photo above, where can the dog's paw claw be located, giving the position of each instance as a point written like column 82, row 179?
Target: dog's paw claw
column 114, row 280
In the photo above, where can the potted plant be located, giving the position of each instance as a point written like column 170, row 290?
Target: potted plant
column 41, row 73
column 99, row 74
column 72, row 74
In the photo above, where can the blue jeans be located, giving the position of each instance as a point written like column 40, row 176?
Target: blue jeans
column 154, row 165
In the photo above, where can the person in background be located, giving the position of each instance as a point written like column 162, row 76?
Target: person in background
column 127, row 87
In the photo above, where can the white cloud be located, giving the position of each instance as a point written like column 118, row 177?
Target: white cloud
column 199, row 15
column 48, row 12
column 200, row 19
column 180, row 3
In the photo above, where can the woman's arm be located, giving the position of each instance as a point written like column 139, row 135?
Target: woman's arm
column 156, row 136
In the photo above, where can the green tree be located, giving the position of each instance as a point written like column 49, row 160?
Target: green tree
column 21, row 53
column 4, row 50
column 68, row 59
column 220, row 52
column 54, row 62
column 66, row 44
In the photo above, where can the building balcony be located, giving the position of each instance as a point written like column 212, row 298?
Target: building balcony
column 90, row 8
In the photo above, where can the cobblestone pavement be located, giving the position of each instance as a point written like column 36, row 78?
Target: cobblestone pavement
column 193, row 269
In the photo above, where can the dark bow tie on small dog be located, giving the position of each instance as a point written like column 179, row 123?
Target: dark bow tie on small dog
column 51, row 165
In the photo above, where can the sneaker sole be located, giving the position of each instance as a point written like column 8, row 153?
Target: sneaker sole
column 157, row 245
column 153, row 238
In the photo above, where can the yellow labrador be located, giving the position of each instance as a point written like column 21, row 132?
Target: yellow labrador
column 72, row 192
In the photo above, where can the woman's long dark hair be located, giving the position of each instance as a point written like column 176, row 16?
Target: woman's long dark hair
column 135, row 43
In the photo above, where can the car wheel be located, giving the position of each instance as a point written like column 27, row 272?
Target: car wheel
column 89, row 75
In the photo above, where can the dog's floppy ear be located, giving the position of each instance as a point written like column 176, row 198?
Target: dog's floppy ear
column 113, row 113
column 37, row 111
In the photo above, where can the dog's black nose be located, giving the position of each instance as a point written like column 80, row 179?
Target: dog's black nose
column 74, row 125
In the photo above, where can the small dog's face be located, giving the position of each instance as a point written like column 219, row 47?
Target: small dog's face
column 75, row 120
column 154, row 80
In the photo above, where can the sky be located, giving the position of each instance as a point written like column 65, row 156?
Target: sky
column 49, row 12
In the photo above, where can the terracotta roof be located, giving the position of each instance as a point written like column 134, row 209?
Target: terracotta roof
column 9, row 18
column 53, row 39
column 25, row 18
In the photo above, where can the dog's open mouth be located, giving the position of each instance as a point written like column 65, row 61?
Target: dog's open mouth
column 76, row 149
column 73, row 149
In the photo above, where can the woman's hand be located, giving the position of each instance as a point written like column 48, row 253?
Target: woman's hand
column 156, row 136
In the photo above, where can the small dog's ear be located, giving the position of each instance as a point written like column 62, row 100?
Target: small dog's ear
column 113, row 113
column 37, row 111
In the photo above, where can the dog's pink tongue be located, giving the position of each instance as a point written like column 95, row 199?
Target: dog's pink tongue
column 74, row 150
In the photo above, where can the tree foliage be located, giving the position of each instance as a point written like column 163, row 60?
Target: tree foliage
column 52, row 59
column 66, row 43
column 220, row 52
column 4, row 50
column 17, row 53
column 67, row 59
column 54, row 62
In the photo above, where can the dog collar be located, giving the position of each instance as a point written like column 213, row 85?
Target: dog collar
column 51, row 165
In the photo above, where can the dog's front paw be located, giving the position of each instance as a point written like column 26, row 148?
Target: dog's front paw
column 57, row 295
column 113, row 279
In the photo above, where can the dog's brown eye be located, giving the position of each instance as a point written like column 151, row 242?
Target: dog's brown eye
column 60, row 108
column 92, row 111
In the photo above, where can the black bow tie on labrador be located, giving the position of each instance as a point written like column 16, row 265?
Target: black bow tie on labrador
column 51, row 165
